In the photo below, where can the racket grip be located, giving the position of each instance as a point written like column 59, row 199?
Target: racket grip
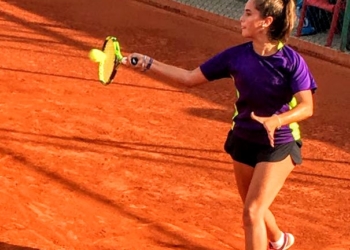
column 134, row 60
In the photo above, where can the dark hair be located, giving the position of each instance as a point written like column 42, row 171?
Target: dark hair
column 283, row 14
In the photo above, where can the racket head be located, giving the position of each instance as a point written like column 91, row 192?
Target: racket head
column 108, row 68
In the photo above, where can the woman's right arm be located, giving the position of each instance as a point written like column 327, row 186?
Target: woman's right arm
column 186, row 77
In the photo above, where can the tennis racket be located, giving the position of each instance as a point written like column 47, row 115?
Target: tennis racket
column 107, row 68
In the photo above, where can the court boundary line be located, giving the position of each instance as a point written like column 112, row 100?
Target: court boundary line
column 309, row 48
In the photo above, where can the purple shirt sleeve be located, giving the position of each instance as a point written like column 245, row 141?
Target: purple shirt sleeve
column 301, row 77
column 217, row 67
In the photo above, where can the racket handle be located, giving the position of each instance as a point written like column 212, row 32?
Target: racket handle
column 134, row 60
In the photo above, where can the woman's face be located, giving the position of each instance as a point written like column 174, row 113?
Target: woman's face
column 252, row 24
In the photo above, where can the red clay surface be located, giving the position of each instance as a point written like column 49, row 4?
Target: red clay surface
column 139, row 164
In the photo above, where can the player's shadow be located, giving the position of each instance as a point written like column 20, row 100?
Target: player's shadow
column 85, row 191
column 7, row 246
column 220, row 115
column 178, row 154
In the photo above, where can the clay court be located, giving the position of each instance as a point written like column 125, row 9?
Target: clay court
column 139, row 164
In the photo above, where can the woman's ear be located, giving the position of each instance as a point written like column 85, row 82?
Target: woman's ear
column 267, row 22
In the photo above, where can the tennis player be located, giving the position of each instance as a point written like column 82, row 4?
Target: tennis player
column 275, row 92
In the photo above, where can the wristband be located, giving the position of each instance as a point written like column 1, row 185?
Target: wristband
column 149, row 63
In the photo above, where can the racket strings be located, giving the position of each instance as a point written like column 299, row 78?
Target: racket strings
column 108, row 66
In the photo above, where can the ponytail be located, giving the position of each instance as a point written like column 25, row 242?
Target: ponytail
column 283, row 14
column 289, row 20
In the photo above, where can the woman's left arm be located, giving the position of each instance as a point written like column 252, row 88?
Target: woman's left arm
column 302, row 111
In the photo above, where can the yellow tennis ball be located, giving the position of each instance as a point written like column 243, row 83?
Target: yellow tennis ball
column 97, row 55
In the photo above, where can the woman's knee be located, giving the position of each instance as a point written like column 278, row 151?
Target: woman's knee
column 252, row 214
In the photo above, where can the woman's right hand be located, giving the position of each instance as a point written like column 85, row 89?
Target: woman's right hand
column 137, row 60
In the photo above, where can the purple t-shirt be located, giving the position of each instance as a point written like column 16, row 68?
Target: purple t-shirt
column 265, row 85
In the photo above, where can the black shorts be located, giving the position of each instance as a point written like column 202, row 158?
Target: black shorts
column 251, row 153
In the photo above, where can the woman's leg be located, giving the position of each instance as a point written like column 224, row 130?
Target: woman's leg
column 244, row 174
column 267, row 180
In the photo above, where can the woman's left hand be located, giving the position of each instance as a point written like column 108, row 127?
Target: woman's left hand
column 270, row 123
